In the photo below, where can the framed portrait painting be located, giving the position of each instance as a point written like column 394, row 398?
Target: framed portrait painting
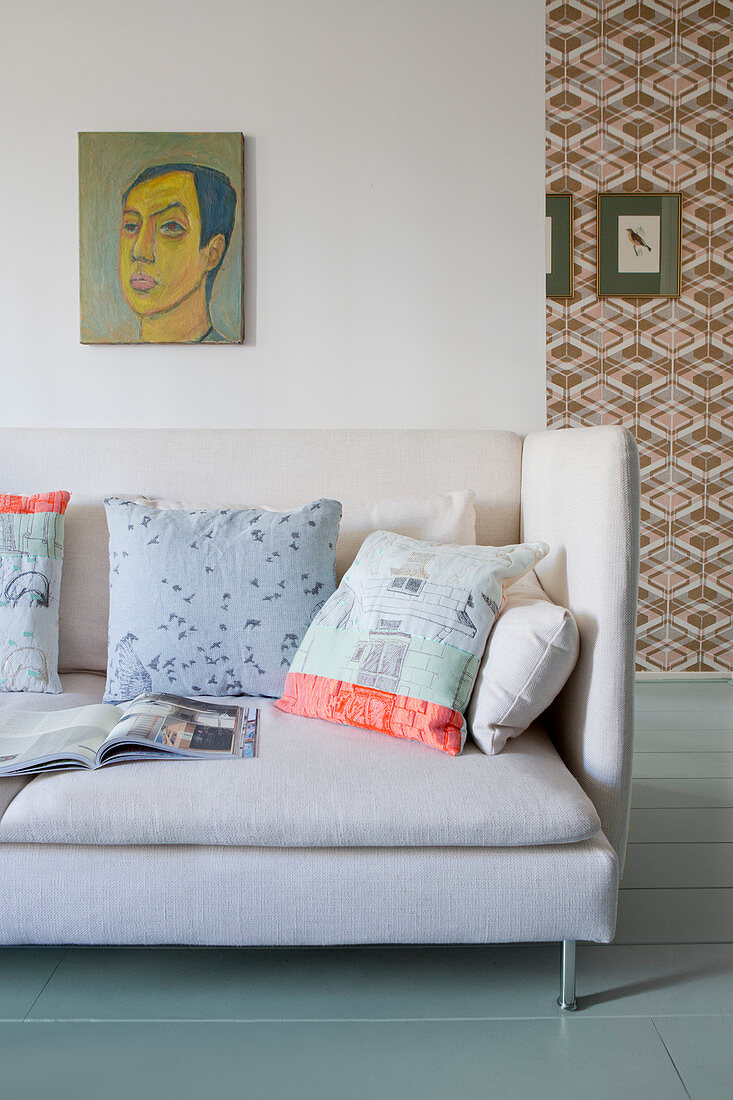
column 160, row 238
column 559, row 246
column 639, row 245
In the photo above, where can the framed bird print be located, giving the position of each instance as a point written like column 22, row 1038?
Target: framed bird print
column 559, row 246
column 639, row 245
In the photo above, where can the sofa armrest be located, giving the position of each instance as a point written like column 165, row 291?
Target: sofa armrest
column 580, row 494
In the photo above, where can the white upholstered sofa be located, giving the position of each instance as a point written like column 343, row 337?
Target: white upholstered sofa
column 335, row 836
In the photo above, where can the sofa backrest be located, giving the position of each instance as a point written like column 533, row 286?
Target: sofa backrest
column 241, row 467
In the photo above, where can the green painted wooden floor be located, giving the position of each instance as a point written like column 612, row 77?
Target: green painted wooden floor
column 428, row 1023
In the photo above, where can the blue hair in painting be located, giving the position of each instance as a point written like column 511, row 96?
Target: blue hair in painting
column 217, row 204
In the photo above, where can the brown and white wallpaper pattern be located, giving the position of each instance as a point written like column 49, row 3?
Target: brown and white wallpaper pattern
column 639, row 97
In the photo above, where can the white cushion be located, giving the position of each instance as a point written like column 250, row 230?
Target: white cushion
column 530, row 654
column 445, row 518
column 313, row 784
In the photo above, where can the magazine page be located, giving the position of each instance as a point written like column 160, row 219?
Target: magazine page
column 29, row 738
column 182, row 727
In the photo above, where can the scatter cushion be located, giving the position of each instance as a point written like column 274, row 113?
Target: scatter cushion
column 531, row 651
column 444, row 517
column 213, row 602
column 396, row 649
column 31, row 556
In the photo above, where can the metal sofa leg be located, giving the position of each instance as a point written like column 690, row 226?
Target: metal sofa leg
column 567, row 1000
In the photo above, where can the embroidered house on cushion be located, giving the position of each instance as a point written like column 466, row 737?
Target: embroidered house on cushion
column 31, row 553
column 396, row 649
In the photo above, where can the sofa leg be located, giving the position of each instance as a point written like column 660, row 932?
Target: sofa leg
column 567, row 1000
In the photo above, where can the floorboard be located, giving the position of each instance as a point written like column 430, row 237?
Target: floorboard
column 675, row 916
column 682, row 740
column 714, row 719
column 665, row 866
column 702, row 1052
column 496, row 981
column 23, row 975
column 687, row 696
column 403, row 1060
column 681, row 793
column 683, row 765
column 696, row 826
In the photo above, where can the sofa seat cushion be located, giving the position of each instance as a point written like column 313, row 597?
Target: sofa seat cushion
column 79, row 689
column 313, row 784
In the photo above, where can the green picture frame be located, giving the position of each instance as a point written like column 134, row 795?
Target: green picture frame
column 639, row 245
column 559, row 246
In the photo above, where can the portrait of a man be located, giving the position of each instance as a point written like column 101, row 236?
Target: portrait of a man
column 165, row 266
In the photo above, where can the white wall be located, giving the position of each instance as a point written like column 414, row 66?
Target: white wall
column 394, row 208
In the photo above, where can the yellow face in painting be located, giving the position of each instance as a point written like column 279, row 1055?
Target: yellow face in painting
column 163, row 267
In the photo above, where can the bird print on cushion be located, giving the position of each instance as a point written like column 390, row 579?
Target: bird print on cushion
column 213, row 601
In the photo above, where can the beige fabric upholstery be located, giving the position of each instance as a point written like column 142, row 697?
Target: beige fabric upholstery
column 285, row 896
column 79, row 689
column 242, row 468
column 313, row 784
column 580, row 493
column 9, row 788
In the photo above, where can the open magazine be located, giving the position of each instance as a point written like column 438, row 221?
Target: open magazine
column 151, row 727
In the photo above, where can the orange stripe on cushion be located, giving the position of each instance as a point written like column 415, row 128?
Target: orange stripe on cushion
column 41, row 502
column 366, row 707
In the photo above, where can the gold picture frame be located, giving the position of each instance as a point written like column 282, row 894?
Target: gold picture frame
column 639, row 244
column 559, row 246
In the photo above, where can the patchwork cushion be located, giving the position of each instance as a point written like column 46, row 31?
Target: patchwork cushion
column 396, row 649
column 31, row 555
column 531, row 651
column 213, row 602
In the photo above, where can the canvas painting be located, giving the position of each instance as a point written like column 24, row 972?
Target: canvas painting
column 160, row 238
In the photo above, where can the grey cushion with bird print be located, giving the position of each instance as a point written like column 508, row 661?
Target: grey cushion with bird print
column 213, row 602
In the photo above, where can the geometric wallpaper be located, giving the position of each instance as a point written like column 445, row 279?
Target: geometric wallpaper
column 639, row 97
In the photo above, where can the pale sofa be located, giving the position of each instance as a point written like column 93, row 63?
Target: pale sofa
column 333, row 835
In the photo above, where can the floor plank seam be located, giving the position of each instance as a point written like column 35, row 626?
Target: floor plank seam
column 310, row 1020
column 48, row 979
column 674, row 1066
column 578, row 1017
column 650, row 889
